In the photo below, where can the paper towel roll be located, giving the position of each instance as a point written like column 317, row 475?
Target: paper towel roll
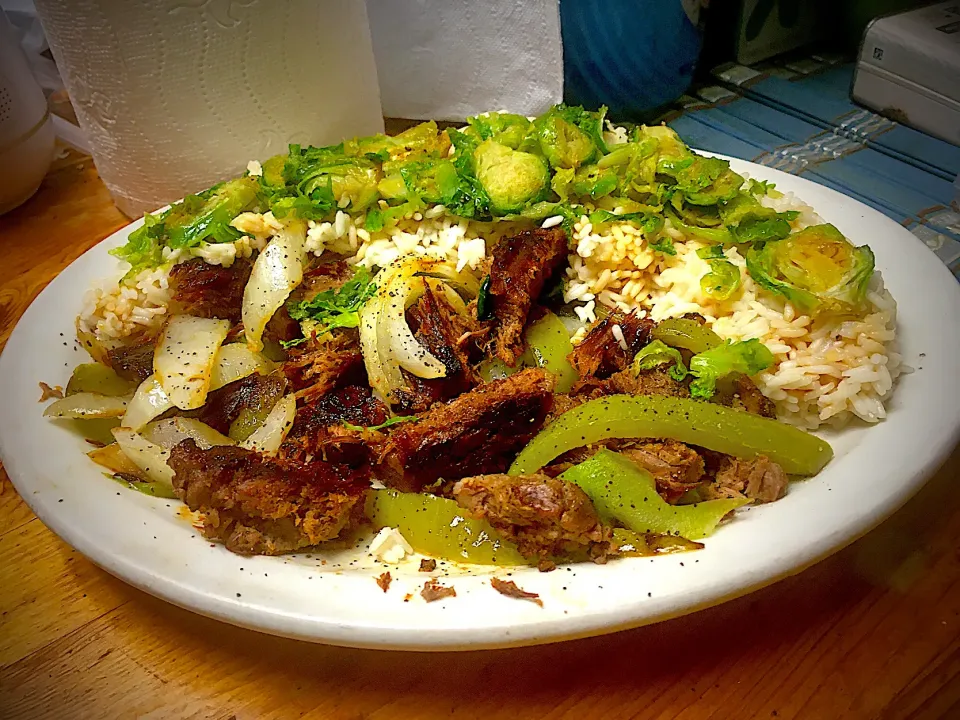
column 176, row 95
column 447, row 59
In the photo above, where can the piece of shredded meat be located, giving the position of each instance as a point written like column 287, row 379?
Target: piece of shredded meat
column 260, row 506
column 433, row 591
column 479, row 432
column 546, row 517
column 648, row 382
column 758, row 478
column 432, row 320
column 384, row 580
column 318, row 366
column 510, row 589
column 48, row 393
column 601, row 353
column 741, row 393
column 134, row 362
column 428, row 565
column 212, row 291
column 522, row 265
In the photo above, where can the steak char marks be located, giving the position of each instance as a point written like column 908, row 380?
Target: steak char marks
column 522, row 265
column 480, row 432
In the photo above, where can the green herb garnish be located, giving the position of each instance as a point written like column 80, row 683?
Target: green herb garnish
column 338, row 308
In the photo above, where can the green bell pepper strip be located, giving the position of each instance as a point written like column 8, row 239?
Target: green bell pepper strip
column 695, row 422
column 622, row 492
column 440, row 528
column 548, row 345
column 496, row 369
column 686, row 334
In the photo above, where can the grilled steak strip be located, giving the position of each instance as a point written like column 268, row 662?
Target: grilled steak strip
column 206, row 290
column 601, row 353
column 521, row 267
column 432, row 320
column 133, row 363
column 259, row 506
column 319, row 430
column 479, row 432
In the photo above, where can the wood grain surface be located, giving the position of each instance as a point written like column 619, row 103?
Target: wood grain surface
column 873, row 632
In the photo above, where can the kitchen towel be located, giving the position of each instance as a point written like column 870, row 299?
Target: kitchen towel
column 448, row 59
column 175, row 95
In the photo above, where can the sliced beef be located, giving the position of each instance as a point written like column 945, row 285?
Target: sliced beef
column 253, row 396
column 133, row 363
column 674, row 466
column 757, row 478
column 546, row 517
column 211, row 291
column 741, row 393
column 317, row 367
column 433, row 322
column 521, row 267
column 320, row 428
column 602, row 353
column 260, row 506
column 479, row 432
column 648, row 382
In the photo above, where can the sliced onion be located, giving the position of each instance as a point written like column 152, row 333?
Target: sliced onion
column 149, row 401
column 171, row 432
column 376, row 373
column 452, row 296
column 185, row 355
column 150, row 458
column 87, row 405
column 268, row 437
column 113, row 459
column 447, row 272
column 235, row 362
column 276, row 271
column 395, row 335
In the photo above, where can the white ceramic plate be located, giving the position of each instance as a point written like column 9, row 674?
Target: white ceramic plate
column 146, row 542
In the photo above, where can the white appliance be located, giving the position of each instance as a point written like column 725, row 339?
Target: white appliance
column 26, row 131
column 909, row 69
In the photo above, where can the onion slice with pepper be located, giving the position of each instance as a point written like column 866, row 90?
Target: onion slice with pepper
column 184, row 359
column 149, row 401
column 173, row 431
column 87, row 405
column 277, row 270
column 150, row 458
column 268, row 437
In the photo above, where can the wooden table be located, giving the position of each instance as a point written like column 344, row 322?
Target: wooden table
column 873, row 632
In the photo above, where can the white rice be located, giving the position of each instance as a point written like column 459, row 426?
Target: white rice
column 828, row 370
